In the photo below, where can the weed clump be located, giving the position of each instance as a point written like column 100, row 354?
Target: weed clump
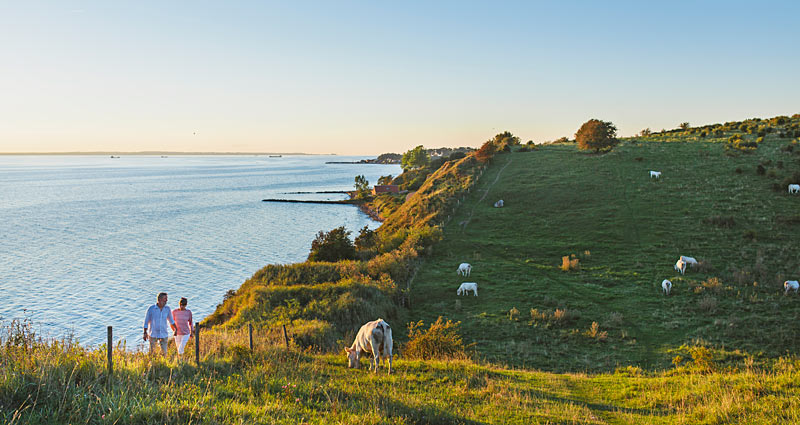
column 595, row 333
column 440, row 341
column 568, row 263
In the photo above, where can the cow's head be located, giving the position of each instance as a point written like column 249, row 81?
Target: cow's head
column 352, row 358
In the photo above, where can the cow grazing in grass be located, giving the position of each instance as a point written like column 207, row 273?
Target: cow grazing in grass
column 666, row 286
column 464, row 269
column 656, row 174
column 467, row 286
column 689, row 260
column 374, row 337
column 680, row 266
column 794, row 188
column 792, row 285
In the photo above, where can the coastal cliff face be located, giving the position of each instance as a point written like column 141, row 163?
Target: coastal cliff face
column 321, row 301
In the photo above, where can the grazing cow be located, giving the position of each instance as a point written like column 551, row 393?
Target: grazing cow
column 374, row 337
column 464, row 269
column 656, row 174
column 666, row 286
column 680, row 266
column 499, row 204
column 467, row 286
column 689, row 260
column 790, row 284
column 794, row 188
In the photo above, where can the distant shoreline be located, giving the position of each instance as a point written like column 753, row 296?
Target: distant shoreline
column 142, row 153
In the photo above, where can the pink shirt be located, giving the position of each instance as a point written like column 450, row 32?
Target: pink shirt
column 183, row 321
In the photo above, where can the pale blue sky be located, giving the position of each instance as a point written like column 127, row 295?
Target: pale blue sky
column 372, row 77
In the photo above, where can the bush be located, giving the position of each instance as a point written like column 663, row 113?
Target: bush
column 513, row 314
column 703, row 133
column 486, row 152
column 595, row 333
column 707, row 304
column 332, row 246
column 440, row 341
column 760, row 170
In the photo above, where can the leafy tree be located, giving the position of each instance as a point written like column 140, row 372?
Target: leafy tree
column 486, row 152
column 684, row 126
column 362, row 187
column 597, row 135
column 385, row 179
column 646, row 132
column 415, row 158
column 332, row 246
column 367, row 239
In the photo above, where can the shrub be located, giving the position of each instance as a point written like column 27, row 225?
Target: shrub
column 513, row 314
column 440, row 341
column 738, row 170
column 701, row 358
column 750, row 235
column 712, row 283
column 760, row 139
column 703, row 133
column 760, row 170
column 332, row 246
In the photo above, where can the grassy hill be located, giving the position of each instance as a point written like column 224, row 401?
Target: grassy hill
column 627, row 231
column 597, row 343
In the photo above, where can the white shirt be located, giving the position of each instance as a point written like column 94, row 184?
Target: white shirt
column 157, row 318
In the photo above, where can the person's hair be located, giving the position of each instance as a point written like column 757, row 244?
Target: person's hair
column 184, row 301
column 161, row 294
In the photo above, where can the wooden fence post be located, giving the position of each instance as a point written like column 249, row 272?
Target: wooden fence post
column 197, row 342
column 250, row 327
column 110, row 358
column 286, row 337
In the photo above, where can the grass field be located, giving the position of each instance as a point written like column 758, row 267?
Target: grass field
column 627, row 231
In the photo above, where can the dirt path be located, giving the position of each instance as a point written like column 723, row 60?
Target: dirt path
column 464, row 223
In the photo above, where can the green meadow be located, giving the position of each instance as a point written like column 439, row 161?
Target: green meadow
column 570, row 325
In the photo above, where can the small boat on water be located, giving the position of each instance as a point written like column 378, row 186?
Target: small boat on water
column 114, row 156
column 275, row 156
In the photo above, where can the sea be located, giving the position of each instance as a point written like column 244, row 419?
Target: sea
column 88, row 242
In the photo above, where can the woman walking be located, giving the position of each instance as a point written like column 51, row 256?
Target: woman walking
column 183, row 324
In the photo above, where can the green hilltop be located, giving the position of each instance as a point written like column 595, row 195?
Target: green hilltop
column 570, row 325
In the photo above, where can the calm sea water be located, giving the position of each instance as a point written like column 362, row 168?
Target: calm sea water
column 88, row 241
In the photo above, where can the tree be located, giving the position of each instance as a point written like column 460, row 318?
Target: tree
column 646, row 132
column 362, row 187
column 486, row 152
column 684, row 126
column 415, row 158
column 385, row 179
column 367, row 239
column 597, row 135
column 332, row 246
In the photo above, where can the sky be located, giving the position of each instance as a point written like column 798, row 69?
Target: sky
column 364, row 78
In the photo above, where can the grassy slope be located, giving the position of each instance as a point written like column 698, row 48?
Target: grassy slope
column 561, row 202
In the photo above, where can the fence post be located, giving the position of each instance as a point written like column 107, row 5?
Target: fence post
column 197, row 342
column 110, row 358
column 286, row 337
column 250, row 326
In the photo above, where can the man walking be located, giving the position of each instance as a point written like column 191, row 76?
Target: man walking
column 157, row 316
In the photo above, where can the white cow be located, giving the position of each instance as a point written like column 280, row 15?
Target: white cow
column 794, row 188
column 499, row 204
column 464, row 269
column 790, row 285
column 680, row 266
column 374, row 337
column 689, row 260
column 656, row 174
column 666, row 286
column 467, row 286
